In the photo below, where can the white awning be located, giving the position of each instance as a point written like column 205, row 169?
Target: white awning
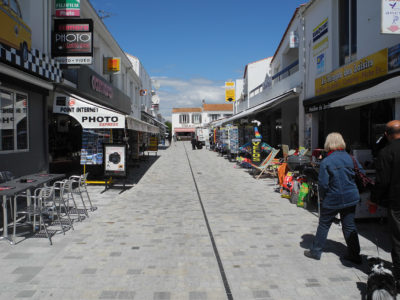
column 388, row 89
column 90, row 115
column 139, row 125
column 260, row 107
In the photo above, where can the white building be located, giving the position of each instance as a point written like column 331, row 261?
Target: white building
column 185, row 120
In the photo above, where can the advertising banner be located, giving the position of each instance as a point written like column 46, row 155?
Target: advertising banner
column 73, row 41
column 394, row 58
column 92, row 146
column 256, row 151
column 234, row 140
column 229, row 92
column 367, row 68
column 114, row 160
column 87, row 113
column 390, row 16
column 68, row 8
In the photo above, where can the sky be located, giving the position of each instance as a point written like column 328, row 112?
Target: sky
column 192, row 47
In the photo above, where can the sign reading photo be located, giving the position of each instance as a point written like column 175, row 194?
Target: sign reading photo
column 73, row 41
column 114, row 160
column 89, row 115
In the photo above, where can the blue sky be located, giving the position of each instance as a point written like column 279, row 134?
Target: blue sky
column 193, row 47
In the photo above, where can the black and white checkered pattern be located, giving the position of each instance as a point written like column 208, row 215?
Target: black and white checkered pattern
column 37, row 64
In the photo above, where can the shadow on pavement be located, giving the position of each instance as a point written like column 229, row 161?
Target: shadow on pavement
column 376, row 231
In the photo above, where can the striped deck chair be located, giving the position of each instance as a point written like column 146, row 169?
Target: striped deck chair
column 266, row 163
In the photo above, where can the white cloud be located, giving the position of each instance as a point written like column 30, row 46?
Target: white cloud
column 175, row 92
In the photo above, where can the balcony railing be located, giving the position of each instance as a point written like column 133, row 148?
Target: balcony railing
column 286, row 72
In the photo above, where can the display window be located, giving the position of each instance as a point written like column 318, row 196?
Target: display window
column 13, row 121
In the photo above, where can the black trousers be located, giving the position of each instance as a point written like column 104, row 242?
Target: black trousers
column 394, row 223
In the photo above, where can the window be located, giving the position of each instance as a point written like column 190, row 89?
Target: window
column 184, row 119
column 213, row 117
column 227, row 115
column 347, row 31
column 196, row 119
column 15, row 8
column 13, row 121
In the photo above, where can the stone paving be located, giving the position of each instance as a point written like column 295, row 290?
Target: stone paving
column 152, row 242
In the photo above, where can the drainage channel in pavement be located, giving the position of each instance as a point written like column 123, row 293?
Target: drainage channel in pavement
column 216, row 253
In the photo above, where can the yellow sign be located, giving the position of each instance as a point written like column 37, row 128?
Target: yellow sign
column 112, row 65
column 229, row 92
column 153, row 144
column 367, row 68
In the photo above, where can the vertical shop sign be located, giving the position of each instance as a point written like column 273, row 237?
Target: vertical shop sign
column 73, row 41
column 68, row 8
column 229, row 92
column 234, row 140
column 321, row 63
column 320, row 37
column 256, row 153
column 153, row 144
column 390, row 16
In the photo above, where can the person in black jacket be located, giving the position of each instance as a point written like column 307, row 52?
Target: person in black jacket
column 387, row 189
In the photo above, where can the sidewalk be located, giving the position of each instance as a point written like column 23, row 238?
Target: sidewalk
column 152, row 242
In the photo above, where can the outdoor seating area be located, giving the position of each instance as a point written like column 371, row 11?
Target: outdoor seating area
column 41, row 205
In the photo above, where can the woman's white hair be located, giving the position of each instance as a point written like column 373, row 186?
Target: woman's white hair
column 334, row 141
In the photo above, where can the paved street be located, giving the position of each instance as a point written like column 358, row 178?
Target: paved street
column 152, row 242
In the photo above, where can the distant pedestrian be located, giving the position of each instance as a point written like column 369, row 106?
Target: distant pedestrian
column 386, row 191
column 169, row 138
column 193, row 141
column 175, row 138
column 339, row 194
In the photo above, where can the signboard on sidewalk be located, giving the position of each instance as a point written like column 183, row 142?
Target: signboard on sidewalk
column 256, row 152
column 114, row 160
column 153, row 144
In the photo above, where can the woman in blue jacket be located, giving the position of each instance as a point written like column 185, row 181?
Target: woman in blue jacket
column 339, row 194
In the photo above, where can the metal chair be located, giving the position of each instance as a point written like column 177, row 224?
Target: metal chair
column 61, row 190
column 79, row 186
column 38, row 207
column 67, row 195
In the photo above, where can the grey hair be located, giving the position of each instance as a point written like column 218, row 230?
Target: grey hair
column 334, row 141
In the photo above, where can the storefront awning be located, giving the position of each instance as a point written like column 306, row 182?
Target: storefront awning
column 139, row 125
column 388, row 89
column 184, row 129
column 89, row 114
column 260, row 107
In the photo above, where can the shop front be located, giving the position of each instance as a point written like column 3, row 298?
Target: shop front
column 184, row 133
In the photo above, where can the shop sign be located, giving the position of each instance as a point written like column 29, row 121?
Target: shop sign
column 143, row 92
column 390, row 16
column 229, row 92
column 394, row 57
column 293, row 40
column 114, row 160
column 73, row 38
column 317, row 107
column 68, row 8
column 153, row 144
column 101, row 86
column 112, row 65
column 320, row 41
column 321, row 63
column 88, row 114
column 367, row 68
column 256, row 152
column 11, row 114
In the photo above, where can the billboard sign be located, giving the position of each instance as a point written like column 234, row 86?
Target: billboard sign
column 73, row 41
column 114, row 159
column 68, row 8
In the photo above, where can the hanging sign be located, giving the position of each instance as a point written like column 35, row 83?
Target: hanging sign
column 390, row 16
column 68, row 8
column 87, row 113
column 112, row 65
column 229, row 92
column 73, row 41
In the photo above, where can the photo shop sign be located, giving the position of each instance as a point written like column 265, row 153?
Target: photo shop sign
column 73, row 41
column 88, row 114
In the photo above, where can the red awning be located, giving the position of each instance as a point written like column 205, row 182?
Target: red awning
column 184, row 129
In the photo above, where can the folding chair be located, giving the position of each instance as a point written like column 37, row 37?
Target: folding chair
column 79, row 186
column 266, row 163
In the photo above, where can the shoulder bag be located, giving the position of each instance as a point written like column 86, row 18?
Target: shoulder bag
column 363, row 182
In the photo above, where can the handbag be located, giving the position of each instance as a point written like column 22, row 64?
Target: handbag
column 363, row 182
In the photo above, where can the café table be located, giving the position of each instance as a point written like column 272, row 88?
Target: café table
column 15, row 187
